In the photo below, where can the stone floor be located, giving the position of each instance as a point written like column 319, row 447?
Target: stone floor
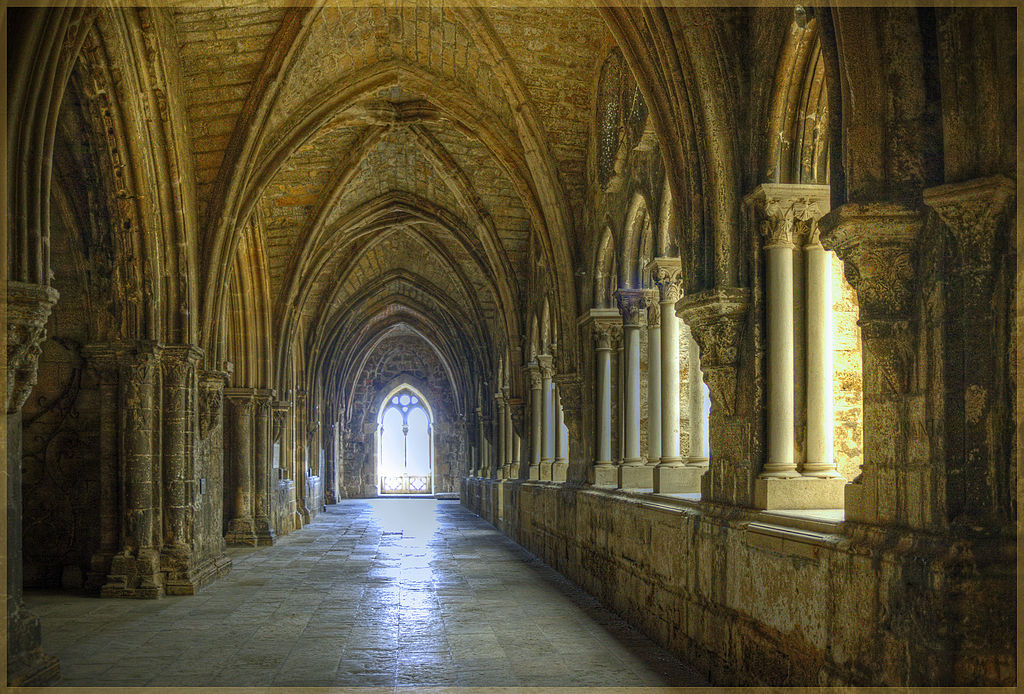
column 383, row 593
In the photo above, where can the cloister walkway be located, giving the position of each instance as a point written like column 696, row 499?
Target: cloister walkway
column 384, row 592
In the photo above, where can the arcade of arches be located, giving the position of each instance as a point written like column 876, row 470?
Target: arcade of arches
column 710, row 309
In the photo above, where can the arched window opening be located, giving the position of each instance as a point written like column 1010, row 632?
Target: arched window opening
column 405, row 445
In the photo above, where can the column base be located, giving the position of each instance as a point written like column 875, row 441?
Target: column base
column 265, row 535
column 135, row 576
column 534, row 472
column 193, row 579
column 303, row 514
column 99, row 569
column 635, row 476
column 241, row 531
column 682, row 479
column 558, row 470
column 545, row 470
column 27, row 665
column 773, row 493
column 699, row 462
column 604, row 475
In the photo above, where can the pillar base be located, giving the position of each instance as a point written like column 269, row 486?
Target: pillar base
column 193, row 579
column 682, row 479
column 264, row 529
column 773, row 493
column 27, row 665
column 241, row 531
column 699, row 462
column 545, row 470
column 135, row 576
column 635, row 476
column 99, row 569
column 604, row 475
column 534, row 472
column 558, row 470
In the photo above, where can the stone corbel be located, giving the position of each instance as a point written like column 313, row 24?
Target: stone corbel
column 717, row 318
column 211, row 400
column 28, row 309
column 974, row 211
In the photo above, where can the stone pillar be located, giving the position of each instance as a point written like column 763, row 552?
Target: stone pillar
column 818, row 262
column 499, row 463
column 561, row 463
column 211, row 435
column 654, row 423
column 633, row 473
column 606, row 330
column 671, row 476
column 263, row 524
column 28, row 309
column 299, row 448
column 877, row 243
column 515, row 411
column 698, row 453
column 717, row 319
column 547, row 438
column 788, row 213
column 779, row 317
column 536, row 420
column 241, row 525
column 980, row 485
column 179, row 408
column 135, row 569
column 509, row 439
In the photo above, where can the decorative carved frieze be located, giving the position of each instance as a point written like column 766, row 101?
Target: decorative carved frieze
column 876, row 242
column 717, row 318
column 28, row 309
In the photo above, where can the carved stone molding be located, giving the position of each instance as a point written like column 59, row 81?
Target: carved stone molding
column 630, row 303
column 717, row 318
column 667, row 276
column 652, row 302
column 974, row 211
column 211, row 399
column 781, row 207
column 876, row 242
column 28, row 309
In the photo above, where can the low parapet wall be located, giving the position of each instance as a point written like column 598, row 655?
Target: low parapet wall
column 758, row 598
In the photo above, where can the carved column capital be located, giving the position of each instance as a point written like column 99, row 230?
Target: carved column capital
column 717, row 318
column 533, row 371
column 546, row 364
column 28, row 309
column 652, row 302
column 876, row 242
column 974, row 211
column 570, row 392
column 667, row 276
column 177, row 361
column 242, row 399
column 780, row 207
column 211, row 399
column 630, row 303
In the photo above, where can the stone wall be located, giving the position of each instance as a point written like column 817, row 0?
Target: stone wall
column 756, row 598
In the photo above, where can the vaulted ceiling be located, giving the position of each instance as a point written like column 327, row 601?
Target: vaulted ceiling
column 398, row 162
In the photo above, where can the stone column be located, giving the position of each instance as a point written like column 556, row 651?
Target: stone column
column 605, row 332
column 717, row 319
column 547, row 438
column 536, row 420
column 300, row 453
column 698, row 453
column 262, row 521
column 633, row 473
column 499, row 463
column 241, row 526
column 561, row 463
column 515, row 410
column 135, row 570
column 819, row 460
column 179, row 406
column 654, row 423
column 980, row 489
column 670, row 476
column 779, row 317
column 506, row 462
column 877, row 242
column 211, row 437
column 481, row 451
column 105, row 362
column 28, row 309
